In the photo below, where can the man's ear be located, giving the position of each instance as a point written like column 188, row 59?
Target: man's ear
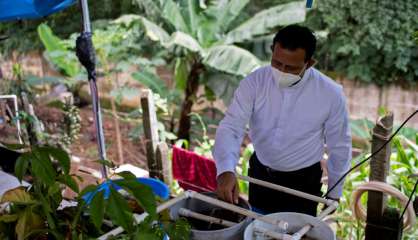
column 311, row 62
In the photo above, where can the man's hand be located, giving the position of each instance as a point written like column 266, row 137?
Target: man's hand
column 228, row 189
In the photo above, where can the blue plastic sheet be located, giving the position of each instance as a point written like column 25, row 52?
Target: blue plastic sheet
column 30, row 9
column 159, row 188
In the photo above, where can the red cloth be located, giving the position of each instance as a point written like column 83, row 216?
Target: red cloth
column 193, row 172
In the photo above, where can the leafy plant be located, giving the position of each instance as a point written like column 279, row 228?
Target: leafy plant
column 404, row 162
column 242, row 168
column 368, row 40
column 33, row 210
column 202, row 38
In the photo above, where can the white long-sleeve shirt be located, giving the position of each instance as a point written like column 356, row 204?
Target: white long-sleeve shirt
column 287, row 126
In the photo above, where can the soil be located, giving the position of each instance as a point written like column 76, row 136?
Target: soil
column 85, row 147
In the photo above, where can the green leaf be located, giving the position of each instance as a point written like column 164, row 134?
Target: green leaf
column 142, row 193
column 56, row 104
column 180, row 74
column 69, row 181
column 118, row 210
column 60, row 155
column 209, row 94
column 171, row 12
column 231, row 59
column 42, row 167
column 97, row 208
column 127, row 175
column 226, row 11
column 154, row 32
column 17, row 195
column 192, row 18
column 401, row 151
column 151, row 81
column 265, row 21
column 127, row 19
column 8, row 218
column 58, row 52
column 54, row 189
column 106, row 163
column 27, row 221
column 13, row 146
column 179, row 230
column 21, row 165
column 184, row 40
column 152, row 8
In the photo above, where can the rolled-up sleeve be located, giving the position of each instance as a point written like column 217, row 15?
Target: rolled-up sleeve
column 338, row 140
column 231, row 129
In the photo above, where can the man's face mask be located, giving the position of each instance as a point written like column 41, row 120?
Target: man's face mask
column 286, row 79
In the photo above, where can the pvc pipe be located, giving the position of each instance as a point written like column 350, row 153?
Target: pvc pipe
column 359, row 211
column 299, row 234
column 271, row 234
column 279, row 223
column 286, row 190
column 140, row 217
column 187, row 213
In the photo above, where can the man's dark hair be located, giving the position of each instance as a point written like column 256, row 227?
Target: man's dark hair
column 293, row 37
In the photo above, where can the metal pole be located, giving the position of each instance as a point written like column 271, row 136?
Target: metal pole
column 86, row 16
column 94, row 93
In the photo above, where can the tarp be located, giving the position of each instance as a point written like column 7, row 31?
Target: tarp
column 29, row 9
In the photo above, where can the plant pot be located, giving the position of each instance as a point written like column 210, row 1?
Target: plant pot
column 296, row 221
column 205, row 231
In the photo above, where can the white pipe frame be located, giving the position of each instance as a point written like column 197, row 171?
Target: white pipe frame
column 188, row 213
column 332, row 205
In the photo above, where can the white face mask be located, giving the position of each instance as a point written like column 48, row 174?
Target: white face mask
column 285, row 79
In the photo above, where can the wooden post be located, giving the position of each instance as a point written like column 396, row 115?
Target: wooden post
column 164, row 164
column 151, row 130
column 381, row 223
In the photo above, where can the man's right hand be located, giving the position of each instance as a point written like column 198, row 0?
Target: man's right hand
column 228, row 189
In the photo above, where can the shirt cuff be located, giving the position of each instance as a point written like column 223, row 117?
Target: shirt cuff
column 228, row 166
column 337, row 191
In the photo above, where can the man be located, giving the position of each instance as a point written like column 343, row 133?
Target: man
column 293, row 110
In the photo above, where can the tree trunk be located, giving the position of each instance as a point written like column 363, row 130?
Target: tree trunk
column 189, row 98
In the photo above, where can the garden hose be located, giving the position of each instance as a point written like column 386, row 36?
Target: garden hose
column 371, row 155
column 360, row 212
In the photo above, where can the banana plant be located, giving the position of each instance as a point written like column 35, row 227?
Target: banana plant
column 204, row 38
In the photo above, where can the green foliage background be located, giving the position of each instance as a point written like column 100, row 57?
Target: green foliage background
column 371, row 41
